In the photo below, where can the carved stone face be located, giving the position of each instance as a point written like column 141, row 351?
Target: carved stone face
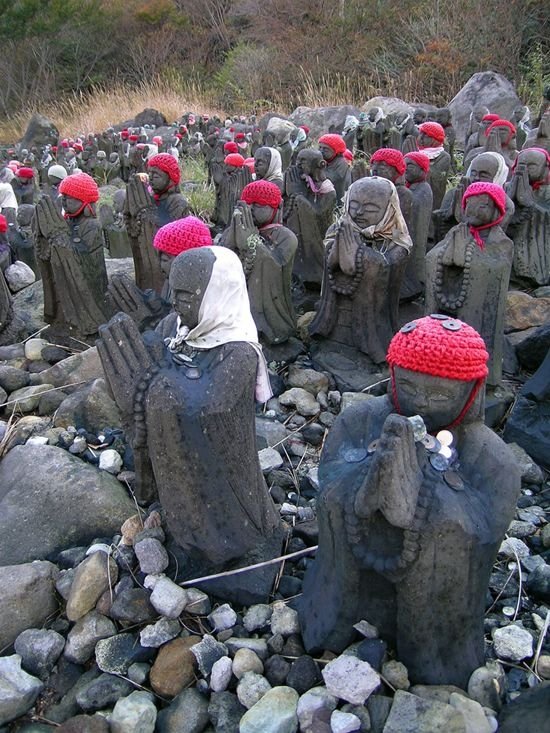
column 326, row 151
column 419, row 116
column 480, row 210
column 372, row 113
column 311, row 163
column 261, row 215
column 443, row 116
column 262, row 159
column 413, row 172
column 535, row 163
column 437, row 400
column 484, row 168
column 426, row 141
column 71, row 205
column 368, row 202
column 165, row 261
column 190, row 274
column 384, row 170
column 158, row 179
column 479, row 112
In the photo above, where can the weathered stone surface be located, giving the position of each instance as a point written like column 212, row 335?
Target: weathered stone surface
column 39, row 650
column 116, row 654
column 85, row 724
column 309, row 379
column 85, row 634
column 76, row 368
column 27, row 598
column 314, row 710
column 412, row 714
column 136, row 713
column 529, row 712
column 65, row 504
column 19, row 276
column 90, row 407
column 18, row 690
column 270, row 459
column 304, row 402
column 350, row 679
column 188, row 713
column 102, row 692
column 488, row 88
column 472, row 712
column 12, row 378
column 274, row 713
column 174, row 667
column 321, row 119
column 388, row 105
column 523, row 311
column 27, row 398
column 96, row 574
column 40, row 131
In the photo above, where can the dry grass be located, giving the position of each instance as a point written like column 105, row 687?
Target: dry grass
column 93, row 112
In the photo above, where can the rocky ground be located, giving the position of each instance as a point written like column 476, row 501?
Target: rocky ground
column 96, row 635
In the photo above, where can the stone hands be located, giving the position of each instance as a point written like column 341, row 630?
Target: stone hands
column 49, row 221
column 243, row 226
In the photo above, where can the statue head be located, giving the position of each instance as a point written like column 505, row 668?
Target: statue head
column 388, row 163
column 101, row 155
column 419, row 116
column 264, row 199
column 331, row 145
column 179, row 236
column 190, row 274
column 233, row 162
column 56, row 173
column 505, row 129
column 119, row 197
column 373, row 114
column 483, row 204
column 479, row 112
column 417, row 167
column 311, row 163
column 438, row 366
column 114, row 158
column 537, row 163
column 367, row 200
column 24, row 215
column 79, row 194
column 164, row 172
column 488, row 167
column 431, row 135
column 443, row 116
column 25, row 176
column 262, row 159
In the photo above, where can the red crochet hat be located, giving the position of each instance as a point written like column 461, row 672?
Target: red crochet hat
column 439, row 346
column 489, row 118
column 336, row 142
column 3, row 224
column 181, row 235
column 80, row 186
column 263, row 193
column 348, row 155
column 230, row 147
column 133, row 138
column 498, row 196
column 502, row 123
column 433, row 130
column 25, row 173
column 240, row 136
column 234, row 159
column 166, row 163
column 421, row 160
column 124, row 134
column 392, row 157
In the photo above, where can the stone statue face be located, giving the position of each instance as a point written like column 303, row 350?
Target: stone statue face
column 159, row 180
column 535, row 163
column 326, row 151
column 479, row 112
column 311, row 163
column 367, row 204
column 419, row 116
column 189, row 277
column 443, row 116
column 24, row 214
column 439, row 401
column 413, row 172
column 262, row 159
column 372, row 113
column 384, row 170
column 71, row 205
column 480, row 210
column 427, row 141
column 484, row 168
column 261, row 215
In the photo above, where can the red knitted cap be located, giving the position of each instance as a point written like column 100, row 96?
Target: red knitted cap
column 421, row 160
column 249, row 163
column 124, row 134
column 181, row 235
column 433, row 130
column 3, row 224
column 157, row 139
column 502, row 123
column 230, row 147
column 25, row 173
column 489, row 118
column 80, row 186
column 166, row 163
column 240, row 136
column 440, row 346
column 133, row 138
column 392, row 157
column 336, row 142
column 234, row 159
column 491, row 189
column 348, row 155
column 263, row 193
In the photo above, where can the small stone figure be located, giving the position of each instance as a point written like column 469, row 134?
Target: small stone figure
column 268, row 166
column 266, row 249
column 70, row 255
column 6, row 254
column 444, row 118
column 229, row 185
column 187, row 399
column 416, row 174
column 310, row 199
column 430, row 142
column 115, row 235
column 365, row 257
column 21, row 238
column 389, row 163
column 467, row 274
column 56, row 174
column 500, row 137
column 23, row 185
column 371, row 130
column 332, row 149
column 146, row 212
column 478, row 138
column 539, row 137
column 529, row 228
column 410, row 521
column 474, row 124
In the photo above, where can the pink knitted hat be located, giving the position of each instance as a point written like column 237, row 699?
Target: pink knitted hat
column 181, row 235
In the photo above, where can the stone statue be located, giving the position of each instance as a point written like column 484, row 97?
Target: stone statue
column 416, row 173
column 266, row 250
column 529, row 228
column 467, row 274
column 8, row 202
column 186, row 393
column 500, row 137
column 310, row 199
column 444, row 118
column 365, row 257
column 371, row 130
column 389, row 163
column 146, row 212
column 11, row 325
column 21, row 238
column 56, row 174
column 332, row 148
column 539, row 137
column 277, row 135
column 430, row 142
column 474, row 124
column 70, row 256
column 416, row 495
column 299, row 141
column 268, row 166
column 23, row 185
column 6, row 253
column 229, row 184
column 478, row 139
column 117, row 242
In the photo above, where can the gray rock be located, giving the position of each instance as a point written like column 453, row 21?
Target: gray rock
column 245, row 660
column 27, row 399
column 159, row 633
column 488, row 88
column 388, row 105
column 85, row 724
column 396, row 674
column 223, row 617
column 314, row 710
column 71, row 684
column 136, row 713
column 198, row 602
column 222, row 670
column 19, row 276
column 304, row 402
column 103, row 691
column 258, row 646
column 350, row 679
column 96, row 574
column 207, row 652
column 344, row 722
column 187, row 713
column 487, row 685
column 18, row 690
column 84, row 366
column 251, row 688
column 512, row 643
column 412, row 714
column 27, row 598
column 308, row 379
column 257, row 617
column 472, row 712
column 12, row 378
column 360, row 712
column 275, row 712
column 40, row 516
column 85, row 634
column 268, row 432
column 116, row 654
column 353, row 398
column 152, row 556
column 530, row 472
column 321, row 119
column 284, row 620
column 64, row 582
column 521, row 529
column 167, row 598
column 34, row 348
column 269, row 459
column 40, row 131
column 378, row 707
column 139, row 672
column 132, row 606
column 91, row 407
column 512, row 546
column 39, row 650
column 304, row 674
column 110, row 461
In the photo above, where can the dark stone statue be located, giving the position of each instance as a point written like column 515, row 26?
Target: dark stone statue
column 529, row 228
column 389, row 163
column 539, row 137
column 23, row 185
column 365, row 257
column 268, row 166
column 70, row 255
column 430, row 142
column 310, row 199
column 371, row 130
column 467, row 274
column 21, row 238
column 410, row 521
column 332, row 148
column 416, row 173
column 115, row 235
column 229, row 183
column 186, row 393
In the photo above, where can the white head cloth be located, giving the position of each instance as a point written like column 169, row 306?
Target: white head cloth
column 501, row 175
column 275, row 169
column 7, row 197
